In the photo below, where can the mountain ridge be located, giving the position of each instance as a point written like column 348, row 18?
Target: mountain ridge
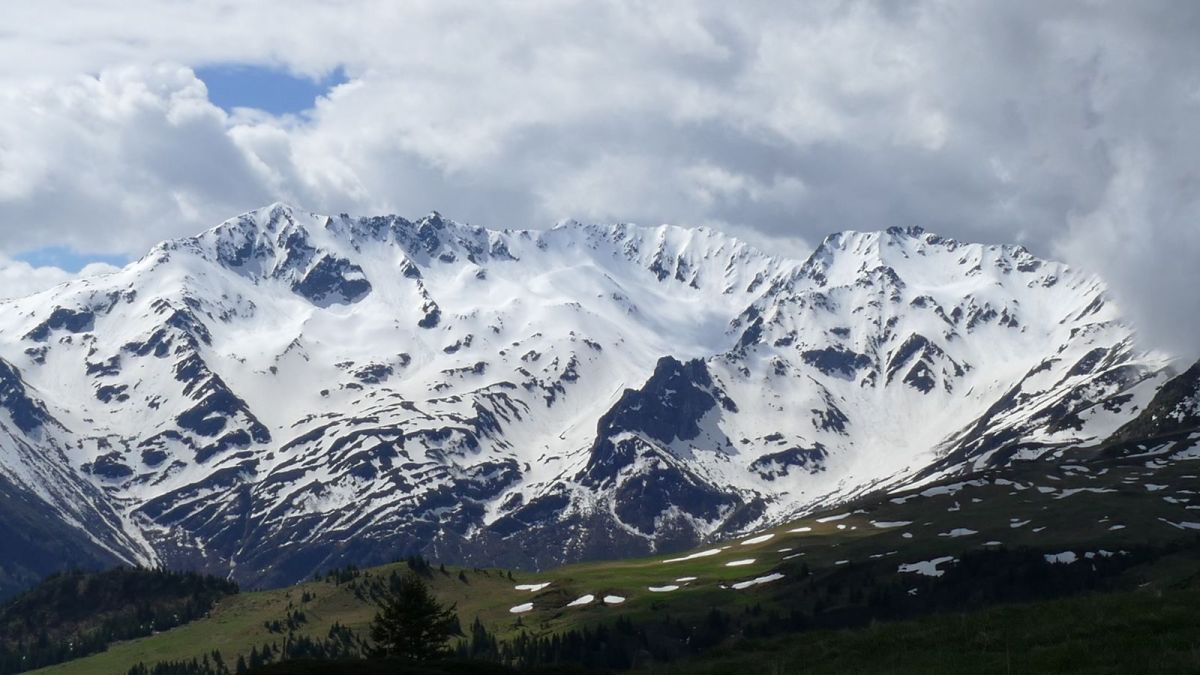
column 287, row 391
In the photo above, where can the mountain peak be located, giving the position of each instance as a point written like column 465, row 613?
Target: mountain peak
column 387, row 381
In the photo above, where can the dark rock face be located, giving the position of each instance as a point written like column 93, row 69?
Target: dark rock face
column 643, row 499
column 106, row 368
column 836, row 361
column 540, row 510
column 432, row 315
column 38, row 542
column 669, row 407
column 333, row 281
column 1174, row 409
column 776, row 464
column 217, row 413
column 180, row 331
column 110, row 393
column 216, row 408
column 110, row 466
column 63, row 318
column 26, row 412
column 374, row 373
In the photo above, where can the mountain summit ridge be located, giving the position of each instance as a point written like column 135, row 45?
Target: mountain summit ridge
column 289, row 391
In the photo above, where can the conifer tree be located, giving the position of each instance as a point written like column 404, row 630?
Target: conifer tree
column 411, row 623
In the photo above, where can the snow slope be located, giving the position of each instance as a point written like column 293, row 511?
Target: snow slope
column 291, row 391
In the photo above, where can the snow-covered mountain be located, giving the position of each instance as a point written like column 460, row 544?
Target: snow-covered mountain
column 290, row 391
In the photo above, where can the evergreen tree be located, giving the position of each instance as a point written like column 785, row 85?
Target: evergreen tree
column 411, row 623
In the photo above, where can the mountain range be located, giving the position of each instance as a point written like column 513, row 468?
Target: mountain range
column 289, row 391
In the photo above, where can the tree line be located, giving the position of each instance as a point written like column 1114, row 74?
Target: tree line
column 72, row 614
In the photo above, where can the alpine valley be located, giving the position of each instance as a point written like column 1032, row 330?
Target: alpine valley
column 289, row 392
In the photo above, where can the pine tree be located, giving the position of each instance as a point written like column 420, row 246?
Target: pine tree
column 411, row 623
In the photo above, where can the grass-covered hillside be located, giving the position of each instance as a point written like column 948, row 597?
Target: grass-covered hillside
column 993, row 571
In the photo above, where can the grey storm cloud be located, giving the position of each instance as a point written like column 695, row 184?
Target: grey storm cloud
column 1071, row 128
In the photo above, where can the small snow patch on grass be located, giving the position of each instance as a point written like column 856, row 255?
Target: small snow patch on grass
column 759, row 580
column 1064, row 558
column 1182, row 525
column 532, row 588
column 582, row 600
column 739, row 563
column 521, row 608
column 662, row 589
column 613, row 599
column 693, row 556
column 884, row 524
column 758, row 540
column 958, row 532
column 830, row 519
column 928, row 568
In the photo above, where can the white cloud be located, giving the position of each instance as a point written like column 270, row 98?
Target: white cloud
column 1016, row 121
column 113, row 162
column 18, row 278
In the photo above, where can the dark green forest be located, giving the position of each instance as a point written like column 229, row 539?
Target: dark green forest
column 75, row 613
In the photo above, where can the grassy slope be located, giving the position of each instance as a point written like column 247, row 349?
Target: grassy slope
column 1081, row 521
column 1111, row 633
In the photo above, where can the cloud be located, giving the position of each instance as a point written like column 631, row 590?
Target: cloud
column 112, row 163
column 19, row 278
column 1143, row 238
column 1070, row 128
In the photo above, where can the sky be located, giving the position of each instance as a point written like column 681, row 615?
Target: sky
column 1070, row 127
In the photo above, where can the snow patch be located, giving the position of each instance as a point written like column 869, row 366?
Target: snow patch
column 928, row 568
column 693, row 556
column 757, row 581
column 830, row 519
column 582, row 600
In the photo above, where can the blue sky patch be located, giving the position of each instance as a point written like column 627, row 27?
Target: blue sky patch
column 275, row 91
column 67, row 258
